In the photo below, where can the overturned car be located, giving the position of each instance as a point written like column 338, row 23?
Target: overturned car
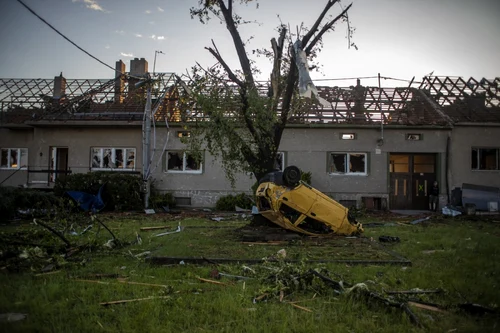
column 285, row 200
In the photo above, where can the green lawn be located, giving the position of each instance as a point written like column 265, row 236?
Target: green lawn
column 459, row 256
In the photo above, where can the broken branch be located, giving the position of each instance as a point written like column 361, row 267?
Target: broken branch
column 300, row 307
column 133, row 300
column 212, row 281
column 55, row 232
column 221, row 61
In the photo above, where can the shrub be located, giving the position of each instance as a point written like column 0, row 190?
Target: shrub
column 158, row 200
column 306, row 177
column 13, row 199
column 229, row 202
column 122, row 191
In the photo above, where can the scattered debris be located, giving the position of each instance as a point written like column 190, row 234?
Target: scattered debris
column 142, row 254
column 55, row 232
column 149, row 211
column 389, row 239
column 218, row 219
column 12, row 316
column 134, row 300
column 122, row 280
column 476, row 309
column 450, row 211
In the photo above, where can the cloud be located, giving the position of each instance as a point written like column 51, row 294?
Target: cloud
column 147, row 11
column 160, row 37
column 152, row 22
column 138, row 35
column 120, row 32
column 153, row 37
column 129, row 55
column 107, row 47
column 161, row 9
column 91, row 4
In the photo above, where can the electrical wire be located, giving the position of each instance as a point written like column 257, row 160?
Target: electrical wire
column 74, row 44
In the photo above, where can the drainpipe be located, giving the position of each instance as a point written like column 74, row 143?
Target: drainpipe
column 447, row 166
column 380, row 108
column 146, row 143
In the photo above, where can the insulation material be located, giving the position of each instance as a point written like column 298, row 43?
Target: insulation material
column 306, row 86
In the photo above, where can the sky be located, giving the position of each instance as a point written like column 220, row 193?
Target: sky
column 396, row 38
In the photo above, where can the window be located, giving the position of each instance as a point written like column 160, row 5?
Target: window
column 348, row 163
column 183, row 134
column 14, row 158
column 485, row 159
column 279, row 164
column 413, row 137
column 179, row 161
column 113, row 158
column 348, row 136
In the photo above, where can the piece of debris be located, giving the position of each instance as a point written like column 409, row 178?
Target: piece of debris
column 236, row 277
column 431, row 251
column 389, row 239
column 155, row 228
column 426, row 307
column 239, row 209
column 420, row 220
column 218, row 219
column 476, row 309
column 149, row 211
column 122, row 280
column 133, row 300
column 415, row 291
column 110, row 244
column 300, row 307
column 142, row 254
column 179, row 229
column 10, row 317
column 450, row 211
column 212, row 281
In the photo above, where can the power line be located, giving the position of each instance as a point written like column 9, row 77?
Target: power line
column 63, row 36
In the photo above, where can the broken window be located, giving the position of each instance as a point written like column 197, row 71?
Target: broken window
column 179, row 161
column 485, row 159
column 347, row 163
column 112, row 158
column 14, row 158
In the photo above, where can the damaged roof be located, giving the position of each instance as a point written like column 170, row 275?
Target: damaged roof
column 439, row 101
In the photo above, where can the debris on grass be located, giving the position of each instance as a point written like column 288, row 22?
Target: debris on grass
column 426, row 307
column 10, row 317
column 48, row 273
column 212, row 281
column 300, row 307
column 416, row 291
column 155, row 228
column 134, row 300
column 420, row 220
column 389, row 239
column 179, row 229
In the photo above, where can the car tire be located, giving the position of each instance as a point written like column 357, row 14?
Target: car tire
column 291, row 176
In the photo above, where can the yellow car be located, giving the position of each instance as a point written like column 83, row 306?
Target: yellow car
column 294, row 205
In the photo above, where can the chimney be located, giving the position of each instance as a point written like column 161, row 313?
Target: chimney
column 120, row 81
column 138, row 67
column 59, row 87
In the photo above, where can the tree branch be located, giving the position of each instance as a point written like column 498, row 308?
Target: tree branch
column 231, row 75
column 238, row 43
column 276, row 73
column 325, row 28
column 314, row 28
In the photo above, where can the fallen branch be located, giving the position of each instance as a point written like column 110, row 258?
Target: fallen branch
column 427, row 307
column 212, row 281
column 155, row 228
column 430, row 291
column 105, row 227
column 300, row 307
column 133, row 300
column 55, row 232
column 91, row 281
column 141, row 283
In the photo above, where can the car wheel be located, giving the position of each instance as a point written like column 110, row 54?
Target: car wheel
column 291, row 176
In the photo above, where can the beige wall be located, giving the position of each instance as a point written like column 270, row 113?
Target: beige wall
column 464, row 138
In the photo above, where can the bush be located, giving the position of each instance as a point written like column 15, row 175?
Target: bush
column 158, row 201
column 229, row 202
column 306, row 177
column 122, row 191
column 13, row 199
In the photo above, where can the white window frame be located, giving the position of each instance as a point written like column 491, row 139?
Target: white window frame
column 9, row 162
column 184, row 163
column 347, row 163
column 126, row 150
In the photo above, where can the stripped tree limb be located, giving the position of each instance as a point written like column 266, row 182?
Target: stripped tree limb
column 55, row 232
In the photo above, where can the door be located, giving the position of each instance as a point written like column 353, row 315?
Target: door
column 58, row 163
column 410, row 177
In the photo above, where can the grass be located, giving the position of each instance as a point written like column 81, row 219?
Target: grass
column 460, row 256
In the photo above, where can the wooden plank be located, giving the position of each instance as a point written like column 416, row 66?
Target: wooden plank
column 300, row 307
column 212, row 281
column 427, row 307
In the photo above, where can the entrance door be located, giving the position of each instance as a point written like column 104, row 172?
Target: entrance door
column 58, row 163
column 411, row 175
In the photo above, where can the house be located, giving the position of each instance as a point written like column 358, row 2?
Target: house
column 381, row 148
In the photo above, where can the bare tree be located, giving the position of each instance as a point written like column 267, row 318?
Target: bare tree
column 242, row 125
